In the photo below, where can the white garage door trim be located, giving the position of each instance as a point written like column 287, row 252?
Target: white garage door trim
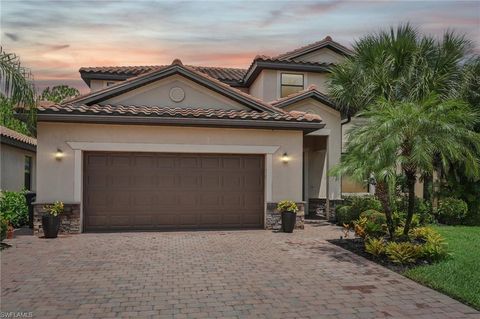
column 79, row 147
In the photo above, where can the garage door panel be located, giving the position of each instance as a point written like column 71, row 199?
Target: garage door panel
column 135, row 191
column 233, row 163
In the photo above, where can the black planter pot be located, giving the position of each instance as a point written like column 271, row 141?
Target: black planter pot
column 50, row 225
column 288, row 221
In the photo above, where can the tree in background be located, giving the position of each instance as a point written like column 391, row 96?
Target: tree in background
column 456, row 183
column 17, row 94
column 399, row 72
column 59, row 93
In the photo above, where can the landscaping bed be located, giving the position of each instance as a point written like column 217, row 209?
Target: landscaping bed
column 458, row 276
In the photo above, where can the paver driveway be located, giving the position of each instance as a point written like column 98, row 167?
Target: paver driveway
column 218, row 274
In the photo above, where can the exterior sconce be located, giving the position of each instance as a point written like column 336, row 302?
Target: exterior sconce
column 59, row 154
column 285, row 158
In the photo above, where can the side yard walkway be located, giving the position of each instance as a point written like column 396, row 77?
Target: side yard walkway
column 209, row 274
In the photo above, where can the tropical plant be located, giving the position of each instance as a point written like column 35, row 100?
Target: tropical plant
column 403, row 252
column 374, row 216
column 59, row 93
column 434, row 247
column 13, row 208
column 409, row 134
column 54, row 209
column 452, row 211
column 401, row 72
column 16, row 88
column 401, row 65
column 375, row 246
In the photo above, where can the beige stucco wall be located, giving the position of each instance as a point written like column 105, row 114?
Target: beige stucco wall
column 322, row 56
column 158, row 94
column 96, row 85
column 332, row 129
column 55, row 179
column 267, row 85
column 12, row 174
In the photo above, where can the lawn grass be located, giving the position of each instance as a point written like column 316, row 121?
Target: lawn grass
column 459, row 276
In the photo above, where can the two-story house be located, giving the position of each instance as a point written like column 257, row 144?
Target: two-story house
column 181, row 146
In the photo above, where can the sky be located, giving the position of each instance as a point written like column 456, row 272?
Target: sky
column 55, row 38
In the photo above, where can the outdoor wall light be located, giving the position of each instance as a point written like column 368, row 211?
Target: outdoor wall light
column 59, row 154
column 285, row 158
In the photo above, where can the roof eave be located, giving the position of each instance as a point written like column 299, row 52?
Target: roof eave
column 203, row 122
column 88, row 76
column 18, row 144
column 299, row 98
column 155, row 76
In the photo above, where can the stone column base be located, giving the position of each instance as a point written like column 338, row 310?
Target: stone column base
column 317, row 206
column 69, row 220
column 273, row 219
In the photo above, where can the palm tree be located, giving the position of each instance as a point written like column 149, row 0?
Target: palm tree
column 401, row 66
column 16, row 87
column 408, row 134
column 398, row 65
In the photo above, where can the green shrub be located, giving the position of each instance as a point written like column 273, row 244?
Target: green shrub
column 343, row 215
column 359, row 204
column 374, row 230
column 452, row 211
column 404, row 252
column 13, row 208
column 374, row 216
column 3, row 228
column 400, row 217
column 434, row 248
column 422, row 208
column 375, row 246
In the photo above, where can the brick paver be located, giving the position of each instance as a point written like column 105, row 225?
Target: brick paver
column 208, row 274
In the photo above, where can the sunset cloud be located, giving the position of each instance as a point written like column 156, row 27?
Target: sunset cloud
column 54, row 39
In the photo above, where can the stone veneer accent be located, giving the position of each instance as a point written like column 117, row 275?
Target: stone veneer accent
column 70, row 219
column 273, row 218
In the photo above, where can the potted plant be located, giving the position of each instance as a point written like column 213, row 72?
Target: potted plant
column 289, row 210
column 51, row 220
column 10, row 230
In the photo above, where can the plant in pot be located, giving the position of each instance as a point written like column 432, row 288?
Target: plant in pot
column 51, row 219
column 289, row 210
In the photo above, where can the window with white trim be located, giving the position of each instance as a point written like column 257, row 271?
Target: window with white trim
column 291, row 83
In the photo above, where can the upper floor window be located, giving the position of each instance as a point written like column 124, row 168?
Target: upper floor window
column 291, row 83
column 28, row 173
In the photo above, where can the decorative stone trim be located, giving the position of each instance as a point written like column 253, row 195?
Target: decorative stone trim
column 69, row 220
column 273, row 218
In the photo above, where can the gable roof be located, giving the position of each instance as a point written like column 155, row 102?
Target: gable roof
column 231, row 76
column 261, row 114
column 175, row 68
column 310, row 92
column 17, row 139
column 327, row 42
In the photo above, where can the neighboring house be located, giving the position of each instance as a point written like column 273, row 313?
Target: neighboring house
column 17, row 161
column 177, row 146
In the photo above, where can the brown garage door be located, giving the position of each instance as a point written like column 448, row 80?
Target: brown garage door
column 142, row 191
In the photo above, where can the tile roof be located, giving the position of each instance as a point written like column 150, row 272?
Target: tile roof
column 96, row 96
column 219, row 73
column 159, row 111
column 309, row 92
column 6, row 132
column 327, row 41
